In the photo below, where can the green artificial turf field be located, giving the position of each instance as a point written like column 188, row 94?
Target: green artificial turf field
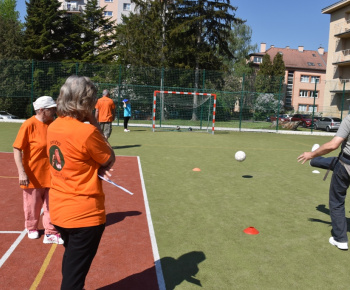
column 197, row 214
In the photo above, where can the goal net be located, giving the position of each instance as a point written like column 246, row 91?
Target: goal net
column 183, row 111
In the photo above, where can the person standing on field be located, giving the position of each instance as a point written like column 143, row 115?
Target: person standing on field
column 105, row 113
column 78, row 153
column 33, row 168
column 127, row 114
column 340, row 179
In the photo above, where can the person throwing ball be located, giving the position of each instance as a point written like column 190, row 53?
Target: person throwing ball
column 340, row 179
column 78, row 153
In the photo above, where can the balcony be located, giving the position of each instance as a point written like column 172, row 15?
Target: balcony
column 342, row 30
column 337, row 86
column 70, row 8
column 342, row 58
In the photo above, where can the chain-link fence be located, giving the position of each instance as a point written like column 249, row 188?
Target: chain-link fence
column 239, row 104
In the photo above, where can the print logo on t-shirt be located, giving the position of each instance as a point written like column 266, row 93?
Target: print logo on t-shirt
column 56, row 158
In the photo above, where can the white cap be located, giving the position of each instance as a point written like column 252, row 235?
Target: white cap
column 44, row 102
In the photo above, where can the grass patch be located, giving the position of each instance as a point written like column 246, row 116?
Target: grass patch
column 207, row 211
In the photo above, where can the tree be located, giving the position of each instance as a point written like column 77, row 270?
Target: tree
column 42, row 39
column 11, row 35
column 240, row 46
column 139, row 37
column 98, row 34
column 270, row 74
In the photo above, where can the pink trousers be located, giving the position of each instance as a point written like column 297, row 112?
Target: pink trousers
column 33, row 200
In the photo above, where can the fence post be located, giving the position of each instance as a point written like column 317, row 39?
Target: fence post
column 342, row 101
column 279, row 101
column 32, row 88
column 118, row 100
column 313, row 108
column 203, row 87
column 76, row 68
column 241, row 104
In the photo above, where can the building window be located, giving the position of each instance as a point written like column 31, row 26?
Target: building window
column 126, row 6
column 304, row 79
column 108, row 13
column 302, row 108
column 314, row 55
column 312, row 93
column 303, row 93
column 109, row 1
column 257, row 59
column 315, row 79
column 310, row 64
column 319, row 64
column 311, row 108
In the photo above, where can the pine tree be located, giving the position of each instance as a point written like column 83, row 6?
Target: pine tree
column 43, row 36
column 11, row 35
column 139, row 37
column 200, row 30
column 98, row 34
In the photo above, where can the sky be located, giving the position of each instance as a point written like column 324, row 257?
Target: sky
column 277, row 22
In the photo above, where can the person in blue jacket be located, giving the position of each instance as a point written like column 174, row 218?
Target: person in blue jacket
column 127, row 114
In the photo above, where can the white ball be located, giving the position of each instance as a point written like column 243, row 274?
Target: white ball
column 240, row 156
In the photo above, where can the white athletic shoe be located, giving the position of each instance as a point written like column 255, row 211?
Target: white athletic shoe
column 126, row 130
column 33, row 234
column 339, row 245
column 53, row 239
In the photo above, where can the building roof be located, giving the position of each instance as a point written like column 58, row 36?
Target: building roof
column 299, row 58
column 334, row 7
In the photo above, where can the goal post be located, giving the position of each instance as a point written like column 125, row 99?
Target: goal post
column 183, row 110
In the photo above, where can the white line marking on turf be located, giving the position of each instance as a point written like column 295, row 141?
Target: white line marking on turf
column 12, row 248
column 158, row 266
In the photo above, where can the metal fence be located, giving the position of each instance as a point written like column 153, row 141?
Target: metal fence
column 239, row 103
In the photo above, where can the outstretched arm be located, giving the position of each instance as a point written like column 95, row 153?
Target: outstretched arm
column 323, row 150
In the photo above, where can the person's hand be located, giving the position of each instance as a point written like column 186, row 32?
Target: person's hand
column 105, row 172
column 304, row 157
column 23, row 179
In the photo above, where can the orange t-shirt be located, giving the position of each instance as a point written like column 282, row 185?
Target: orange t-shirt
column 76, row 151
column 31, row 139
column 105, row 107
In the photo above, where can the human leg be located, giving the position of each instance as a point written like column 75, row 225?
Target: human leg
column 81, row 245
column 32, row 203
column 337, row 193
column 126, row 120
column 324, row 162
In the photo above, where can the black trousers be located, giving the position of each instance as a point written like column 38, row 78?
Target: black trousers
column 126, row 120
column 81, row 245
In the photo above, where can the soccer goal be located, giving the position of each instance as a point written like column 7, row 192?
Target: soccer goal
column 183, row 111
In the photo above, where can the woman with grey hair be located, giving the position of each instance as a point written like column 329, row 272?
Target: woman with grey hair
column 78, row 153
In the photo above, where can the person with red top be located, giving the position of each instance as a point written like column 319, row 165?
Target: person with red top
column 78, row 153
column 33, row 165
column 105, row 113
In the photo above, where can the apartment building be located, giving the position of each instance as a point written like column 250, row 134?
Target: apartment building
column 114, row 8
column 337, row 91
column 304, row 76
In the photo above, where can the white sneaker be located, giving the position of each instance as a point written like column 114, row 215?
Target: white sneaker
column 126, row 130
column 53, row 239
column 339, row 245
column 33, row 234
column 315, row 147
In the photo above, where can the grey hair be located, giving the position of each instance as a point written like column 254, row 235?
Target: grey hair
column 105, row 92
column 77, row 99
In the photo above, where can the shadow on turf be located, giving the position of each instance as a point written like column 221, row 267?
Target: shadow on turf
column 116, row 217
column 175, row 271
column 322, row 208
column 125, row 147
